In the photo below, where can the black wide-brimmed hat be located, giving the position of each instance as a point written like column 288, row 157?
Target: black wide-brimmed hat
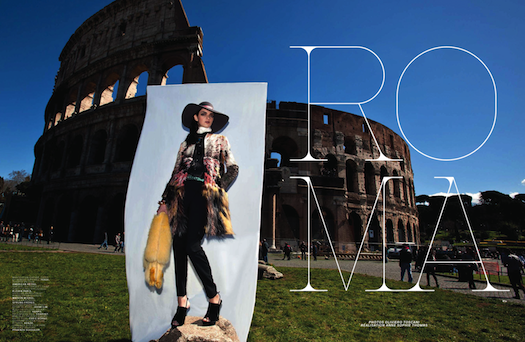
column 219, row 119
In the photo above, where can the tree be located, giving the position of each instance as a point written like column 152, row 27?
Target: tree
column 19, row 176
column 15, row 178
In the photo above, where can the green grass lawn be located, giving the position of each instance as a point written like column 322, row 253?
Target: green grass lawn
column 337, row 315
column 87, row 300
column 493, row 278
column 87, row 296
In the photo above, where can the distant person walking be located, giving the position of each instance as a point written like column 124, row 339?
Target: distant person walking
column 265, row 248
column 105, row 243
column 514, row 267
column 287, row 250
column 303, row 248
column 430, row 268
column 470, row 267
column 117, row 243
column 315, row 250
column 50, row 235
column 405, row 259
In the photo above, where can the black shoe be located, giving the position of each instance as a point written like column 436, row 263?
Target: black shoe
column 212, row 314
column 180, row 315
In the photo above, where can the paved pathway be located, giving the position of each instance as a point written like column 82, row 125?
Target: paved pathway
column 68, row 247
column 392, row 271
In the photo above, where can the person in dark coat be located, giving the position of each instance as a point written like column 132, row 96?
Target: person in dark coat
column 265, row 248
column 303, row 248
column 315, row 250
column 514, row 267
column 430, row 268
column 405, row 259
column 287, row 250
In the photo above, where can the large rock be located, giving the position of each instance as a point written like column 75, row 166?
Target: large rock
column 268, row 272
column 194, row 331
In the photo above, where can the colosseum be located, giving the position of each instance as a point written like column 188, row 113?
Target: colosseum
column 346, row 184
column 94, row 118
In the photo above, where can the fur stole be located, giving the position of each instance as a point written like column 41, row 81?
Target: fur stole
column 158, row 250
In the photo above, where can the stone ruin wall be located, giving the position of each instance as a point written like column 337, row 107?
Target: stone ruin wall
column 346, row 185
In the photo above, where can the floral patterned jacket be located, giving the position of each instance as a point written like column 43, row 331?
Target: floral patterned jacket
column 217, row 153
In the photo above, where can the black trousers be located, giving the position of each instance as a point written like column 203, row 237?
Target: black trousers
column 189, row 244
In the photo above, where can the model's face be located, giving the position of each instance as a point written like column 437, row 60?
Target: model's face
column 204, row 118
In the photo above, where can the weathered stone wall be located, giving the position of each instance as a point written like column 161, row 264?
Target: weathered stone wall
column 346, row 185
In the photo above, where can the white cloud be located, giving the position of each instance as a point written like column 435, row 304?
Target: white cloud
column 523, row 182
column 442, row 194
column 476, row 198
column 513, row 194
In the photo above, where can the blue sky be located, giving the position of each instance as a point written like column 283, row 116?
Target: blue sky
column 446, row 97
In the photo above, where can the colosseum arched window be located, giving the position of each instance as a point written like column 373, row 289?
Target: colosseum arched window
column 275, row 160
column 293, row 220
column 97, row 151
column 351, row 176
column 409, row 233
column 138, row 84
column 127, row 141
column 407, row 193
column 87, row 220
column 329, row 166
column 402, row 188
column 384, row 173
column 350, row 145
column 58, row 156
column 396, row 185
column 287, row 147
column 354, row 220
column 110, row 89
column 173, row 75
column 58, row 117
column 370, row 179
column 71, row 102
column 318, row 230
column 87, row 102
column 401, row 231
column 75, row 151
column 389, row 231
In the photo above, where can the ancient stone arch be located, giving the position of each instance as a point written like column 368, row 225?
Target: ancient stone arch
column 127, row 140
column 370, row 179
column 389, row 231
column 318, row 230
column 97, row 149
column 401, row 231
column 286, row 147
column 352, row 182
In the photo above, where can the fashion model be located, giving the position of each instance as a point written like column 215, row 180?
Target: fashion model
column 196, row 202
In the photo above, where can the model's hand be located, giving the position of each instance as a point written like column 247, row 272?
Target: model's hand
column 162, row 208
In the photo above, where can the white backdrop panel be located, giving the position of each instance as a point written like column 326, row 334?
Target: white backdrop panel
column 233, row 260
